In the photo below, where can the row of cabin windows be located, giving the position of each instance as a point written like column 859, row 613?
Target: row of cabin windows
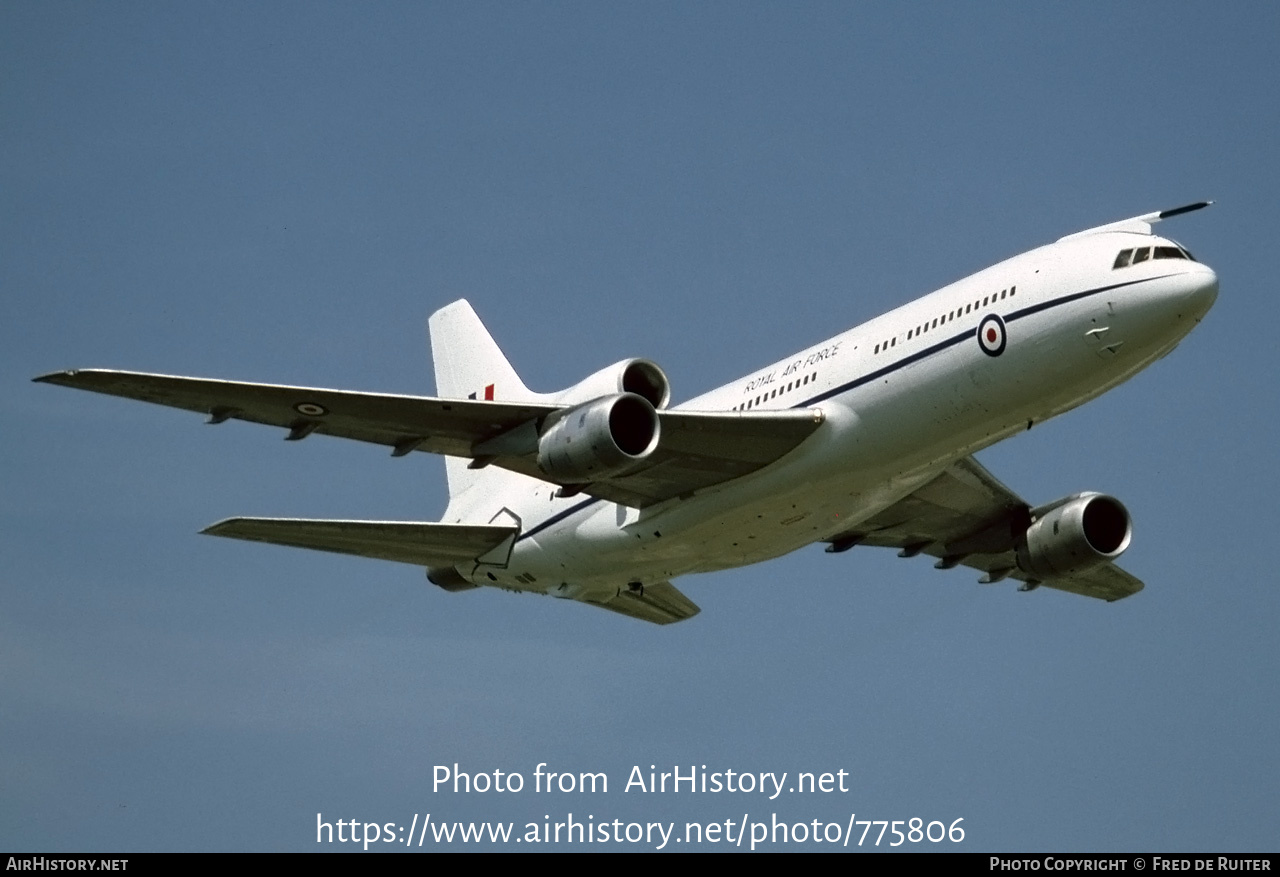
column 1142, row 254
column 948, row 317
column 774, row 393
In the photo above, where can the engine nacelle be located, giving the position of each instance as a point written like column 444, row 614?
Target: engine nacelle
column 603, row 437
column 1074, row 535
column 639, row 376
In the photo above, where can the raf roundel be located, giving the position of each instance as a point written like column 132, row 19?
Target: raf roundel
column 991, row 335
column 311, row 409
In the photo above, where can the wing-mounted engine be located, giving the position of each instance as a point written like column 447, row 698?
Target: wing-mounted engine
column 639, row 376
column 598, row 439
column 1073, row 535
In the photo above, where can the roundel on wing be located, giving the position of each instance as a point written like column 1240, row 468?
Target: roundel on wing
column 991, row 335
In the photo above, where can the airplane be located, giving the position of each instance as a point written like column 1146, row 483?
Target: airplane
column 603, row 492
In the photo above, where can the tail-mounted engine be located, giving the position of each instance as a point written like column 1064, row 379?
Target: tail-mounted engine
column 600, row 438
column 1073, row 535
column 638, row 376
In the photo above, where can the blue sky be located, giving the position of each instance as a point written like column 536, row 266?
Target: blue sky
column 284, row 192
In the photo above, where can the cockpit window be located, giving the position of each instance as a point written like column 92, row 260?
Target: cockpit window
column 1142, row 254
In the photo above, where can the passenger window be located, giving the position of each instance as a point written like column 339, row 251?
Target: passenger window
column 1122, row 260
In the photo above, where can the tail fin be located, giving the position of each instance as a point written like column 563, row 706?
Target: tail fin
column 469, row 365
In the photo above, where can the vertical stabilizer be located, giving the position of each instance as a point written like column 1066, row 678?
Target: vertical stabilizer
column 469, row 365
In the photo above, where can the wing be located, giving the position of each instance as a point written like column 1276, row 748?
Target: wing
column 660, row 603
column 403, row 423
column 965, row 516
column 422, row 544
column 696, row 449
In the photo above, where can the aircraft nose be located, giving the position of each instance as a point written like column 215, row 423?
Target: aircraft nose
column 1203, row 288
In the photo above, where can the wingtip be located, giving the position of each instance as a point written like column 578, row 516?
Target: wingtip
column 1186, row 208
column 53, row 377
column 218, row 528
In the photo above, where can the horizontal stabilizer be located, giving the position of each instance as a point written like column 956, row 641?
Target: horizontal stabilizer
column 421, row 544
column 661, row 603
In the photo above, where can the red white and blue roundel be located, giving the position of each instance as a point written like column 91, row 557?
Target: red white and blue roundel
column 991, row 335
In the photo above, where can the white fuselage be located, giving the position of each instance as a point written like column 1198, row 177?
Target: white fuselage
column 903, row 396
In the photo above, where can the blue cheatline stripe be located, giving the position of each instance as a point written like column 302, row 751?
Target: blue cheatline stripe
column 879, row 373
column 1076, row 296
column 558, row 517
column 964, row 336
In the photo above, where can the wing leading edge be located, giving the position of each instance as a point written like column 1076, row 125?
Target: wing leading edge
column 696, row 449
